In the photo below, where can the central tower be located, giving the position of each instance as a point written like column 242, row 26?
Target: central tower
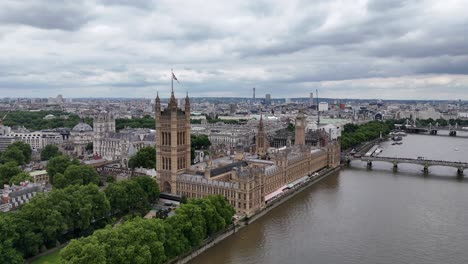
column 300, row 129
column 261, row 140
column 172, row 142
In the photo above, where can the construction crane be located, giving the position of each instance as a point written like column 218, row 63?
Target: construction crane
column 3, row 118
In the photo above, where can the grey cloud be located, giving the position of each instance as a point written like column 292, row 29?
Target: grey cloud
column 444, row 65
column 437, row 41
column 143, row 4
column 277, row 46
column 385, row 5
column 69, row 15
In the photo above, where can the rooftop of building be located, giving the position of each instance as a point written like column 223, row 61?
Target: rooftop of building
column 82, row 127
column 203, row 180
column 37, row 173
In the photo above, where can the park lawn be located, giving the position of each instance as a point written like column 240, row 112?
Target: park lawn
column 53, row 258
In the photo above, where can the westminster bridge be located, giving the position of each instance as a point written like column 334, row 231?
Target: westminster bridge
column 460, row 166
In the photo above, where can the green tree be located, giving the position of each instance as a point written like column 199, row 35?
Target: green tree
column 44, row 219
column 84, row 250
column 77, row 175
column 89, row 147
column 27, row 242
column 145, row 157
column 127, row 196
column 224, row 209
column 110, row 179
column 8, row 170
column 137, row 241
column 49, row 152
column 21, row 177
column 8, row 253
column 353, row 134
column 117, row 195
column 149, row 186
column 25, row 149
column 213, row 220
column 58, row 165
column 190, row 221
column 13, row 154
column 80, row 206
column 200, row 141
column 176, row 243
column 145, row 122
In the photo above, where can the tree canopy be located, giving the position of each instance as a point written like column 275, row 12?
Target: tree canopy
column 59, row 164
column 355, row 134
column 7, row 171
column 49, row 152
column 21, row 177
column 145, row 157
column 18, row 152
column 200, row 141
column 152, row 240
column 13, row 155
column 76, row 175
column 144, row 122
column 76, row 211
column 35, row 120
column 134, row 195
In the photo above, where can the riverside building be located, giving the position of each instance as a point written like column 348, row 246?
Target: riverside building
column 247, row 180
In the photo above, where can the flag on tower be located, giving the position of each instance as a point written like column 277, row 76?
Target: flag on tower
column 174, row 77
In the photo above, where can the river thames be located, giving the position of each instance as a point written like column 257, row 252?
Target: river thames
column 366, row 216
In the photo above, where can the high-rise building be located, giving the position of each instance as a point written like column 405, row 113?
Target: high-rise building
column 254, row 94
column 267, row 99
column 323, row 106
column 172, row 142
column 311, row 99
column 232, row 109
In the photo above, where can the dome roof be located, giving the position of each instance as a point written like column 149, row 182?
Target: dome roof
column 82, row 127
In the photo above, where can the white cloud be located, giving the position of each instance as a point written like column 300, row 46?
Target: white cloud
column 360, row 49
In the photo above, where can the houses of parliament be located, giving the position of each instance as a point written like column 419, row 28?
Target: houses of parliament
column 246, row 180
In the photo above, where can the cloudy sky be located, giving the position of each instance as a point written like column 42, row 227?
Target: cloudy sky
column 126, row 48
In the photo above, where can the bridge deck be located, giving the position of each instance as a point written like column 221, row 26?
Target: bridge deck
column 424, row 162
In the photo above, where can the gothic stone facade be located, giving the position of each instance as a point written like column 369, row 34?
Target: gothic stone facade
column 172, row 142
column 244, row 183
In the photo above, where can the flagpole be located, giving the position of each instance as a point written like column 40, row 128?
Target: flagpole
column 172, row 81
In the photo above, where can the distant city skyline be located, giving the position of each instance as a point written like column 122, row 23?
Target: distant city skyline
column 413, row 50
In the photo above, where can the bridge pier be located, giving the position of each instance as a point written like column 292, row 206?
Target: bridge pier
column 426, row 169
